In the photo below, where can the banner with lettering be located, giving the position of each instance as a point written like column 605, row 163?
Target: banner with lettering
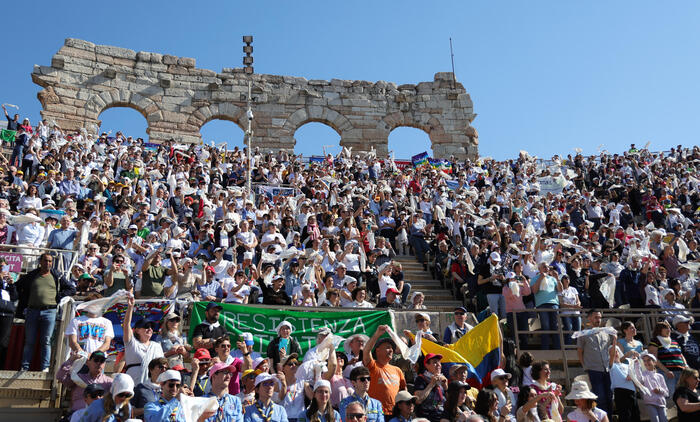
column 272, row 191
column 261, row 322
column 151, row 311
column 553, row 185
column 13, row 260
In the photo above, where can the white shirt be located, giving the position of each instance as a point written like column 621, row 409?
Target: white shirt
column 231, row 296
column 270, row 237
column 90, row 332
column 386, row 282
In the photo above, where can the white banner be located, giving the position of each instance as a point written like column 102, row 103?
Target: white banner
column 551, row 185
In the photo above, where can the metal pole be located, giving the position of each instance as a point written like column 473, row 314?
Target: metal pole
column 452, row 57
column 249, row 135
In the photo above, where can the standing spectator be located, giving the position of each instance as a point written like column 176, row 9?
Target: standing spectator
column 8, row 296
column 380, row 369
column 545, row 287
column 668, row 354
column 39, row 292
column 89, row 333
column 430, row 388
column 569, row 299
column 686, row 396
column 688, row 342
column 458, row 328
column 624, row 391
column 490, row 283
column 139, row 350
column 656, row 391
column 596, row 352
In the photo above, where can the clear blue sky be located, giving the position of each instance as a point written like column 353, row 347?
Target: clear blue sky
column 544, row 76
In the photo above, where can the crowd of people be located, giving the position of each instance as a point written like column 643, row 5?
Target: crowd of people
column 524, row 239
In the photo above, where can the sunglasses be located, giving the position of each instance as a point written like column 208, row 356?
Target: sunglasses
column 97, row 395
column 363, row 379
column 124, row 395
column 226, row 346
column 174, row 384
column 355, row 416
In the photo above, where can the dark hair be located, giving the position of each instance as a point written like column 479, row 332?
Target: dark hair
column 357, row 291
column 451, row 404
column 155, row 362
column 660, row 326
column 313, row 410
column 592, row 311
column 523, row 396
column 625, row 325
column 358, row 372
column 396, row 413
column 484, row 401
column 537, row 367
column 343, row 356
column 220, row 340
column 525, row 359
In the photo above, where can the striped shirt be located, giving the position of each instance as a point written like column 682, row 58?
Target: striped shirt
column 671, row 356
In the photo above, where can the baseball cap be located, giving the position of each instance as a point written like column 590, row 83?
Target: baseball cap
column 429, row 356
column 212, row 305
column 392, row 290
column 93, row 390
column 144, row 323
column 496, row 373
column 495, row 256
column 220, row 367
column 263, row 378
column 202, row 354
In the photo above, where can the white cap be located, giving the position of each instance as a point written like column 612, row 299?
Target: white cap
column 284, row 323
column 510, row 275
column 495, row 256
column 322, row 383
column 122, row 383
column 265, row 377
column 168, row 375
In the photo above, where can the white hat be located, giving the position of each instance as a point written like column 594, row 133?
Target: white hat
column 168, row 375
column 247, row 255
column 322, row 383
column 265, row 377
column 679, row 319
column 580, row 390
column 383, row 267
column 284, row 323
column 324, row 331
column 510, row 275
column 645, row 353
column 500, row 373
column 122, row 383
column 495, row 256
column 177, row 231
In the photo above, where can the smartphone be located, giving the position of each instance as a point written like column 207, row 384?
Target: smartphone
column 283, row 343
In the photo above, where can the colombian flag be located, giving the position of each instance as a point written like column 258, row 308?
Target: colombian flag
column 479, row 349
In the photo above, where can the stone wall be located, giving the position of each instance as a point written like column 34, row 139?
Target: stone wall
column 177, row 99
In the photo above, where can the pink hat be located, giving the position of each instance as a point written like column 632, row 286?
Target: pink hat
column 219, row 366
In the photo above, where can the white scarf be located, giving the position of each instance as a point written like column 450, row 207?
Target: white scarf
column 664, row 341
column 211, row 326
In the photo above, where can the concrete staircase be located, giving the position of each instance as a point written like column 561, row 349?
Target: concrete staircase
column 437, row 298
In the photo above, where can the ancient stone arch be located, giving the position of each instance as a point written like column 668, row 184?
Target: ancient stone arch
column 177, row 99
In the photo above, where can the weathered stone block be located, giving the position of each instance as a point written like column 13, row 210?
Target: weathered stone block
column 81, row 44
column 168, row 59
column 123, row 53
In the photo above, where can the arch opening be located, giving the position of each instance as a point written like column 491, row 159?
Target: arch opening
column 316, row 138
column 407, row 141
column 223, row 131
column 125, row 119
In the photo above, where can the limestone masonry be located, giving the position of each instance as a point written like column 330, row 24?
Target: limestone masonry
column 176, row 98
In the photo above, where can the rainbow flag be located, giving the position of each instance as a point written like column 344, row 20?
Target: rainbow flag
column 479, row 350
column 420, row 160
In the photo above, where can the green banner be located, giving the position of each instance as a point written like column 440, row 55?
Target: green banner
column 261, row 322
column 8, row 135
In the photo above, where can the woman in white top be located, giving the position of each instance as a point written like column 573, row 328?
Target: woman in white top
column 350, row 231
column 346, row 299
column 139, row 350
column 236, row 288
column 359, row 295
column 351, row 258
column 569, row 299
column 30, row 199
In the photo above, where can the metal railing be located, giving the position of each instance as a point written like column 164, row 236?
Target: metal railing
column 644, row 320
column 34, row 252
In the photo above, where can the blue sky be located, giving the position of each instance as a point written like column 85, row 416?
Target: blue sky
column 546, row 77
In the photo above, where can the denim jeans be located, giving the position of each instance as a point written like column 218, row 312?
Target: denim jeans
column 548, row 322
column 570, row 323
column 523, row 327
column 600, row 385
column 17, row 155
column 420, row 247
column 497, row 303
column 405, row 292
column 656, row 413
column 38, row 325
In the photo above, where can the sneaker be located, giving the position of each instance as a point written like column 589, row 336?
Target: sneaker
column 45, row 370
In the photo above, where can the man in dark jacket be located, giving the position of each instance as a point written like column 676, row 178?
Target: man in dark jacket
column 8, row 294
column 39, row 293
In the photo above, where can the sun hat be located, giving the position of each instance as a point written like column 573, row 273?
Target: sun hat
column 284, row 323
column 680, row 318
column 580, row 390
column 322, row 383
column 404, row 395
